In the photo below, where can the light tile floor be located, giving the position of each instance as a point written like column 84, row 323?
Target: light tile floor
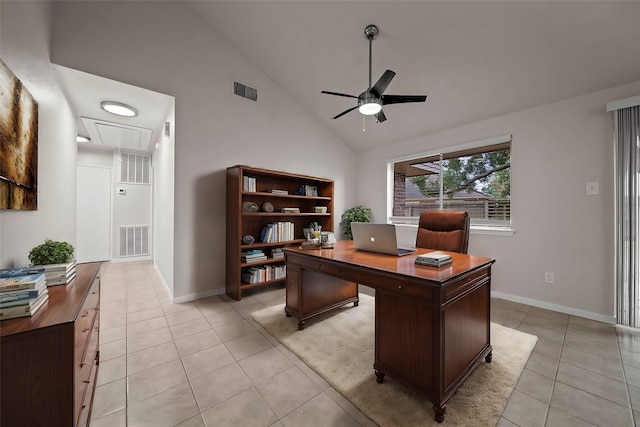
column 208, row 363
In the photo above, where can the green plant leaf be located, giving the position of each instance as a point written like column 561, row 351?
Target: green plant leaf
column 355, row 214
column 51, row 252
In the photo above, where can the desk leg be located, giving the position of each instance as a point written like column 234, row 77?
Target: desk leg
column 440, row 410
column 379, row 376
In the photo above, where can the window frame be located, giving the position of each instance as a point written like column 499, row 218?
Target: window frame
column 449, row 152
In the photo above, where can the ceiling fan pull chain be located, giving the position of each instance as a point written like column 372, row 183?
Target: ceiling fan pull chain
column 363, row 116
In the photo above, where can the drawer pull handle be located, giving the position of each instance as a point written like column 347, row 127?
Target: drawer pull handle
column 399, row 286
column 82, row 365
column 86, row 382
column 87, row 329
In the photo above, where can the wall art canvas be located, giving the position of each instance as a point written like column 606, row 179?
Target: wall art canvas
column 18, row 144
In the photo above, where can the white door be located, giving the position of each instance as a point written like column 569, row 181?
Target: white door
column 93, row 214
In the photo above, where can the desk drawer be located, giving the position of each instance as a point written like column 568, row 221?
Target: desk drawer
column 464, row 284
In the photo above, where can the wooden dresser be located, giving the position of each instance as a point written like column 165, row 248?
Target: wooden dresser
column 49, row 362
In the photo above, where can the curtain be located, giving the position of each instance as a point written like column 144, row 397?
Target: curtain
column 627, row 163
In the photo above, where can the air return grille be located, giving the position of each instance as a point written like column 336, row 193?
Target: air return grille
column 245, row 91
column 134, row 240
column 134, row 168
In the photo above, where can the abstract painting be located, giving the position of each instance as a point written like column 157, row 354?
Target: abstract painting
column 18, row 144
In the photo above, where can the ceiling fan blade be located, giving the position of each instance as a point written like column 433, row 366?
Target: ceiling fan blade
column 345, row 112
column 339, row 94
column 402, row 99
column 382, row 83
column 381, row 117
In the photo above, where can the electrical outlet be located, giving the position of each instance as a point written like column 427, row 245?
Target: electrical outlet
column 549, row 277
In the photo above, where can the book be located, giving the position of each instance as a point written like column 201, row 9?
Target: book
column 291, row 210
column 59, row 274
column 61, row 281
column 261, row 258
column 274, row 191
column 24, row 310
column 24, row 294
column 248, row 184
column 434, row 259
column 21, row 282
column 20, row 271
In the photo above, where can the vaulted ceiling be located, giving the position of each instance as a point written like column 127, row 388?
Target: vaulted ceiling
column 474, row 59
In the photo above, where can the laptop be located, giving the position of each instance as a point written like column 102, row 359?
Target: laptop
column 380, row 238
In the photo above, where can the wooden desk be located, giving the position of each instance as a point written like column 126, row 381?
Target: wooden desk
column 432, row 324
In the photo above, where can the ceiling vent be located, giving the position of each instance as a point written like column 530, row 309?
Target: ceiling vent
column 245, row 91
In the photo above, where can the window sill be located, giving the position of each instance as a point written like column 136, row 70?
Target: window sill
column 492, row 231
column 474, row 229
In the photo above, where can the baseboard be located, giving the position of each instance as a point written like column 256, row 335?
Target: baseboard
column 556, row 307
column 199, row 295
column 164, row 283
column 132, row 259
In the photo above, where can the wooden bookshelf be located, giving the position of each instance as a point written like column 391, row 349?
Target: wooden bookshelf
column 241, row 223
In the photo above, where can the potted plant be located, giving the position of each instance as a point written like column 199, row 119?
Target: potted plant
column 51, row 252
column 356, row 214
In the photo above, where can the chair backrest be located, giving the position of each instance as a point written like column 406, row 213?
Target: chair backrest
column 444, row 230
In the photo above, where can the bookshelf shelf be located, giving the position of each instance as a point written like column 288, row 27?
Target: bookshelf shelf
column 241, row 223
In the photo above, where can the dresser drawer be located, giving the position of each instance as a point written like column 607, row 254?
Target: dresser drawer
column 85, row 405
column 85, row 321
column 85, row 369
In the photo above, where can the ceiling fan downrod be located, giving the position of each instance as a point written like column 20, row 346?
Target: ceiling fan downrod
column 370, row 32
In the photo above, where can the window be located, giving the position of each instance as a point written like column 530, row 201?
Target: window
column 474, row 178
column 134, row 168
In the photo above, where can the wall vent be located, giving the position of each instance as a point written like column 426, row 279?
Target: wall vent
column 134, row 240
column 245, row 91
column 134, row 168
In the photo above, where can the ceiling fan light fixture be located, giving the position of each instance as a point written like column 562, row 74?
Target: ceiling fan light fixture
column 81, row 138
column 369, row 106
column 118, row 108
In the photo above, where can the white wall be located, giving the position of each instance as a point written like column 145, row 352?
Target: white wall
column 25, row 32
column 163, row 161
column 556, row 150
column 167, row 48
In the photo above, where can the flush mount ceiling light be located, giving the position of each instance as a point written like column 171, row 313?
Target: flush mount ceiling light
column 118, row 108
column 81, row 138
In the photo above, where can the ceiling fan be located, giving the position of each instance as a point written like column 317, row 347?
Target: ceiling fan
column 370, row 101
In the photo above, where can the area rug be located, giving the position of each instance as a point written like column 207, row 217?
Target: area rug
column 339, row 347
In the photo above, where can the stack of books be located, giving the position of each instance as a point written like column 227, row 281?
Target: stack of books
column 263, row 273
column 22, row 295
column 248, row 184
column 434, row 259
column 253, row 255
column 276, row 191
column 59, row 274
column 277, row 232
column 277, row 253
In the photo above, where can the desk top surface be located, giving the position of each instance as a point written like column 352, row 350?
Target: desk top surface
column 344, row 253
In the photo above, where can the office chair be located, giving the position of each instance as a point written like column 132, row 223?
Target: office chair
column 443, row 230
